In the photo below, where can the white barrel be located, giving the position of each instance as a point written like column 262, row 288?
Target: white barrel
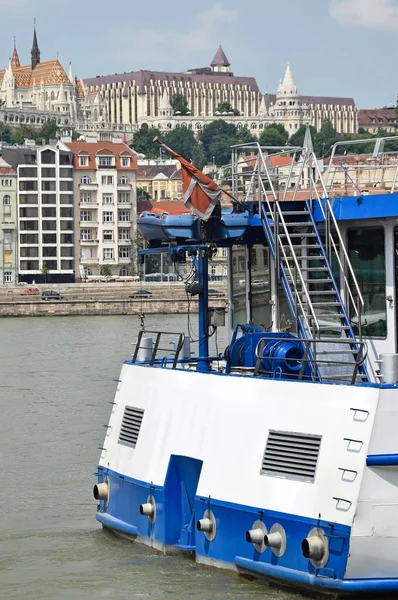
column 145, row 349
column 389, row 368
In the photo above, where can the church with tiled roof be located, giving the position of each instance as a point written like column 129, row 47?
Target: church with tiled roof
column 41, row 86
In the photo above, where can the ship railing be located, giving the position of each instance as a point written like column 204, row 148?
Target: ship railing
column 318, row 355
column 362, row 179
column 147, row 351
column 378, row 155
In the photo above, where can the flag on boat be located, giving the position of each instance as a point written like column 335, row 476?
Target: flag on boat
column 200, row 193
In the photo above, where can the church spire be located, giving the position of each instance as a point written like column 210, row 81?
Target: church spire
column 15, row 58
column 35, row 53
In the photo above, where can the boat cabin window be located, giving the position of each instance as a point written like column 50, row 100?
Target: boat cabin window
column 366, row 252
column 238, row 284
column 260, row 296
column 251, row 290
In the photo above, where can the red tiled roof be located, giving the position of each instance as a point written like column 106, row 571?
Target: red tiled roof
column 143, row 78
column 377, row 117
column 101, row 148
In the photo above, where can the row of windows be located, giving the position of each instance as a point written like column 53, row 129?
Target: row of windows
column 123, row 272
column 86, row 235
column 105, row 180
column 6, row 182
column 124, row 252
column 123, row 198
column 104, row 161
column 107, row 217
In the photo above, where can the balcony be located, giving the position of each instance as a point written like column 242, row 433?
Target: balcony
column 124, row 261
column 88, row 187
column 124, row 187
column 124, row 224
column 122, row 205
column 84, row 224
column 89, row 242
column 124, row 242
column 92, row 260
column 88, row 204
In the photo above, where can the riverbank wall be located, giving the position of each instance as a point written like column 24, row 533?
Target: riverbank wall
column 103, row 299
column 102, row 307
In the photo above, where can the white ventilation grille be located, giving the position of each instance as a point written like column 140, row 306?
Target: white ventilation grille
column 131, row 425
column 291, row 455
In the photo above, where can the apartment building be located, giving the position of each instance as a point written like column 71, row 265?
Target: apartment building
column 8, row 223
column 161, row 180
column 105, row 190
column 45, row 212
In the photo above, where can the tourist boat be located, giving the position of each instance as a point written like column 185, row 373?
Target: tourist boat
column 279, row 457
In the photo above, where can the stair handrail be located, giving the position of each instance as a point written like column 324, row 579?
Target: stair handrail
column 340, row 238
column 297, row 294
column 294, row 256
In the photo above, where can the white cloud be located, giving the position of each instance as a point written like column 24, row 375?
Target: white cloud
column 381, row 15
column 201, row 34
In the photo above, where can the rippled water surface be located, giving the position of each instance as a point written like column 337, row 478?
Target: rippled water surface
column 56, row 378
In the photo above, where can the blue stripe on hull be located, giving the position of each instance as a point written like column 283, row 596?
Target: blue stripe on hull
column 229, row 548
column 122, row 514
column 382, row 460
column 284, row 575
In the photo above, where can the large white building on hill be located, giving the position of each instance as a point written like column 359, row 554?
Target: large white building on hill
column 39, row 91
column 145, row 98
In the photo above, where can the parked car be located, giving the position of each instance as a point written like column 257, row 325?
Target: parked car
column 29, row 291
column 141, row 294
column 51, row 295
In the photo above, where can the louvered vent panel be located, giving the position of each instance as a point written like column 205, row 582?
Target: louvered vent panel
column 131, row 425
column 291, row 455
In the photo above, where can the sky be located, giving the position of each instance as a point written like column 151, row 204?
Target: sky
column 335, row 47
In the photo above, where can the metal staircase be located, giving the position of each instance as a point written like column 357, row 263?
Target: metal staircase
column 306, row 276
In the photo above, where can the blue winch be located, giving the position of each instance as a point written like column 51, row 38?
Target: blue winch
column 276, row 354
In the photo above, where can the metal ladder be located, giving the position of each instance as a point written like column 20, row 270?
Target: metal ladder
column 311, row 291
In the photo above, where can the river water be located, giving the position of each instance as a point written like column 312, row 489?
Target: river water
column 56, row 378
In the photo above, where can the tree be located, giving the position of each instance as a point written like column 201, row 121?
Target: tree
column 226, row 107
column 297, row 139
column 106, row 271
column 182, row 141
column 243, row 136
column 325, row 138
column 274, row 135
column 198, row 157
column 142, row 194
column 220, row 149
column 143, row 142
column 44, row 271
column 5, row 133
column 23, row 132
column 179, row 104
column 217, row 138
column 49, row 131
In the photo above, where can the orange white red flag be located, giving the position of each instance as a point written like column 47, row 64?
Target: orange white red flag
column 200, row 193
